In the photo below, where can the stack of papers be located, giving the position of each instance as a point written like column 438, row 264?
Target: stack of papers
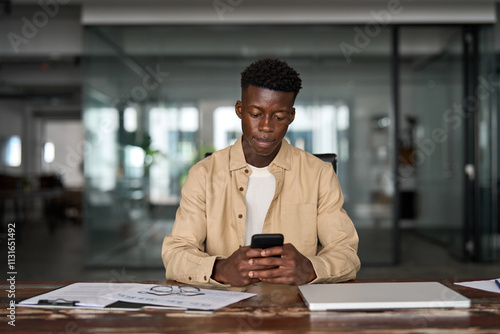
column 84, row 294
column 101, row 295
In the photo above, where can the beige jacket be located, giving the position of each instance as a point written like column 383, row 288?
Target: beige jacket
column 306, row 209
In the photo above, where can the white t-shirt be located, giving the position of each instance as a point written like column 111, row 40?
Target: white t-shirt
column 260, row 193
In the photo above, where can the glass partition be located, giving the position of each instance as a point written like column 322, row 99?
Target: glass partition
column 437, row 149
column 488, row 248
column 450, row 137
column 157, row 98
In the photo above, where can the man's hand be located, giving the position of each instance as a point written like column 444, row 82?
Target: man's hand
column 234, row 270
column 292, row 268
column 246, row 266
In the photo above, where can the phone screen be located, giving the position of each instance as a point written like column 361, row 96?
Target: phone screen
column 267, row 240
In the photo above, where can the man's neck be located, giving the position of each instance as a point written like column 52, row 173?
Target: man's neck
column 259, row 160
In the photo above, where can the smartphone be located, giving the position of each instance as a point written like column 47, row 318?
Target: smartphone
column 267, row 240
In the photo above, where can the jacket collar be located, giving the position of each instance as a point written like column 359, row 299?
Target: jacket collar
column 237, row 157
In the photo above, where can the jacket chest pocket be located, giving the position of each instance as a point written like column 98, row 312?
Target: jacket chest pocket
column 299, row 225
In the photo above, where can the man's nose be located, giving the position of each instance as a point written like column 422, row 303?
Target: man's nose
column 266, row 124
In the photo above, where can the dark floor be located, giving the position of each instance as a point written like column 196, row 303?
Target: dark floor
column 41, row 256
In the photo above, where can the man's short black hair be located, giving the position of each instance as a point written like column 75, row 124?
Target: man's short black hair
column 272, row 74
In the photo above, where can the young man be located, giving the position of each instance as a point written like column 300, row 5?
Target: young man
column 262, row 184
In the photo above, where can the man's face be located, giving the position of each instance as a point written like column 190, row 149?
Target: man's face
column 265, row 116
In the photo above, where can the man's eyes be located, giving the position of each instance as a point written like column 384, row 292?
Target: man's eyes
column 278, row 117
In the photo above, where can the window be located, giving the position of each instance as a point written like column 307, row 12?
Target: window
column 13, row 152
column 227, row 127
column 49, row 152
column 130, row 119
column 174, row 133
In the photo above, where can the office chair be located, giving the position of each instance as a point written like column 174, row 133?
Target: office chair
column 327, row 157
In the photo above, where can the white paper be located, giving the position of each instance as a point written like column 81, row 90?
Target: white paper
column 87, row 294
column 210, row 300
column 488, row 285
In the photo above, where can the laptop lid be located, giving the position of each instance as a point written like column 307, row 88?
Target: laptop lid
column 373, row 296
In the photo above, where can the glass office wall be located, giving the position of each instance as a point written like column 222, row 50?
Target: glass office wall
column 157, row 98
column 452, row 131
column 438, row 141
column 488, row 248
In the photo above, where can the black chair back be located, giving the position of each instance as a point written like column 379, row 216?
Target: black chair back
column 327, row 157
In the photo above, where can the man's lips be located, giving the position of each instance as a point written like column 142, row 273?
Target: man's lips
column 264, row 142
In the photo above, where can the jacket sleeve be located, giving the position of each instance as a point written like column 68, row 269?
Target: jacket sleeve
column 337, row 259
column 183, row 250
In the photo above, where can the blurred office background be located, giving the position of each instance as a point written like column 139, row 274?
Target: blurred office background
column 104, row 106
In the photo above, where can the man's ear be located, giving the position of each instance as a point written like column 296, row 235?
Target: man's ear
column 237, row 108
column 292, row 115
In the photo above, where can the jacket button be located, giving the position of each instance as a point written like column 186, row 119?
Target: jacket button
column 240, row 216
column 205, row 278
column 189, row 278
column 246, row 171
column 241, row 188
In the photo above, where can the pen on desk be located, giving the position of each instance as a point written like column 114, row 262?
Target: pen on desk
column 58, row 302
column 498, row 283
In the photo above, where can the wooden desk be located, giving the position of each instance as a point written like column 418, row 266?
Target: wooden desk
column 276, row 308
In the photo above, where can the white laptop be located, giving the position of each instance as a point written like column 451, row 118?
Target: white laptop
column 376, row 296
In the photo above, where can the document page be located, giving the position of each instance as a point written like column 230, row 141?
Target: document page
column 486, row 285
column 202, row 299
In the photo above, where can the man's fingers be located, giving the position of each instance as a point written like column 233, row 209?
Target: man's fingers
column 254, row 252
column 279, row 280
column 266, row 273
column 272, row 251
column 266, row 262
column 259, row 252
